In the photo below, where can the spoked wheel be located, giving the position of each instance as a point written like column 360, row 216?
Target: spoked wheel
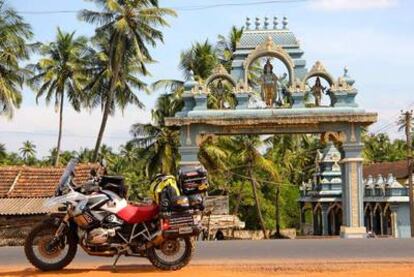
column 172, row 254
column 47, row 253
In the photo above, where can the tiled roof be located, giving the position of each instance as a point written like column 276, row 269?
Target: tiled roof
column 252, row 38
column 23, row 206
column 36, row 181
column 398, row 169
column 7, row 177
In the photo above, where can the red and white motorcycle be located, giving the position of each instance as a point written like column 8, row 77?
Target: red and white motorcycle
column 97, row 217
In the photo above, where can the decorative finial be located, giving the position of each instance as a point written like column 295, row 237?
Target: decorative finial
column 190, row 83
column 275, row 22
column 266, row 22
column 257, row 23
column 348, row 79
column 248, row 23
column 285, row 22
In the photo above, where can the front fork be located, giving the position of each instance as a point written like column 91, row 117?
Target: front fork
column 58, row 239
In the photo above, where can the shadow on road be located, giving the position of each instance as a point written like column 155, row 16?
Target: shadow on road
column 121, row 269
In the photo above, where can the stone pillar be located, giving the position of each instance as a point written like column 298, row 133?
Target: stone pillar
column 371, row 218
column 394, row 220
column 298, row 100
column 200, row 102
column 352, row 192
column 242, row 100
column 188, row 148
column 315, row 222
column 324, row 212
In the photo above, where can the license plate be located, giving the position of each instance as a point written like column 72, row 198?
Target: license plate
column 185, row 230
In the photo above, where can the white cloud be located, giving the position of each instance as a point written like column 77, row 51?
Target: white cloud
column 337, row 5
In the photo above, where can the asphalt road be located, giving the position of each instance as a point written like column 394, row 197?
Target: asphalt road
column 262, row 252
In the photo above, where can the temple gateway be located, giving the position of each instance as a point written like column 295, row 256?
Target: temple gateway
column 276, row 93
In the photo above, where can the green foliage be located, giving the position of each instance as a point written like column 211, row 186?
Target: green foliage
column 14, row 33
column 380, row 148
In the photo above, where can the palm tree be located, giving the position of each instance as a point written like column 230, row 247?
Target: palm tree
column 200, row 59
column 159, row 141
column 59, row 73
column 14, row 33
column 245, row 149
column 3, row 152
column 130, row 27
column 27, row 151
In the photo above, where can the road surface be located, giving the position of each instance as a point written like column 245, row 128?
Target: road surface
column 265, row 251
column 256, row 258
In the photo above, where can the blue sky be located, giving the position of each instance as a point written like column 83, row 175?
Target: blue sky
column 374, row 38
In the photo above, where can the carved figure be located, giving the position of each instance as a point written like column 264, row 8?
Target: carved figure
column 269, row 85
column 317, row 91
column 220, row 93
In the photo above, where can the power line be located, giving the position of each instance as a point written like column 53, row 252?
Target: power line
column 53, row 135
column 182, row 8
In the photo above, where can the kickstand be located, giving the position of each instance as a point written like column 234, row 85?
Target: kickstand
column 114, row 264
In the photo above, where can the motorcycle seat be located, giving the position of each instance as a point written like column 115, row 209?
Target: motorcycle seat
column 134, row 213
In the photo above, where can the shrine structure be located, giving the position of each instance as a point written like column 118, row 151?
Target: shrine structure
column 288, row 104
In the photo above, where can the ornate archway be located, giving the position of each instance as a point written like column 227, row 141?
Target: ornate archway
column 220, row 72
column 270, row 49
column 319, row 70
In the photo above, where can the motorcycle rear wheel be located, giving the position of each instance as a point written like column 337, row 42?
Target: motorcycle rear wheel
column 47, row 258
column 159, row 257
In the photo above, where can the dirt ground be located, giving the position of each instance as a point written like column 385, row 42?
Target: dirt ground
column 382, row 269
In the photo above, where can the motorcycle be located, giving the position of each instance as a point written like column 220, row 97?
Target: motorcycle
column 97, row 217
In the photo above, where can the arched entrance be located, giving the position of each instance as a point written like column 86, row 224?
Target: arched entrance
column 334, row 219
column 342, row 123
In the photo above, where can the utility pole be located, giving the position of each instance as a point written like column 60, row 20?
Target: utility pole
column 407, row 120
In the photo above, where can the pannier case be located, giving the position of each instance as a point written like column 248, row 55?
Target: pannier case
column 193, row 180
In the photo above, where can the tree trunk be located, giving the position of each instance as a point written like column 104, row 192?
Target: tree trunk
column 62, row 97
column 106, row 112
column 277, row 211
column 102, row 128
column 238, row 200
column 256, row 198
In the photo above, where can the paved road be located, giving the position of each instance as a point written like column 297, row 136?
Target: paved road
column 264, row 252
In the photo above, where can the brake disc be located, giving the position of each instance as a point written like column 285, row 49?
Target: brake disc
column 170, row 247
column 43, row 248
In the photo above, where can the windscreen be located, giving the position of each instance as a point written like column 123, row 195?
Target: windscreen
column 69, row 170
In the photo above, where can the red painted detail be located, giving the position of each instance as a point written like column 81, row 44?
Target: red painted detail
column 138, row 213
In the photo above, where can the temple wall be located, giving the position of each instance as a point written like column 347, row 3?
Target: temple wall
column 403, row 221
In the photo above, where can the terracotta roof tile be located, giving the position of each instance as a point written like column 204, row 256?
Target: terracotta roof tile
column 398, row 169
column 7, row 177
column 38, row 181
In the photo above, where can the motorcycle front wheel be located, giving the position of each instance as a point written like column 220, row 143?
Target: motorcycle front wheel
column 44, row 253
column 172, row 254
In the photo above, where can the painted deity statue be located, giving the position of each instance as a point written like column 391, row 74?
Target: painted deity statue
column 317, row 91
column 220, row 93
column 269, row 86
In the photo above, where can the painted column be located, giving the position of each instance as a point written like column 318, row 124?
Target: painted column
column 324, row 211
column 352, row 192
column 394, row 220
column 371, row 218
column 188, row 148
